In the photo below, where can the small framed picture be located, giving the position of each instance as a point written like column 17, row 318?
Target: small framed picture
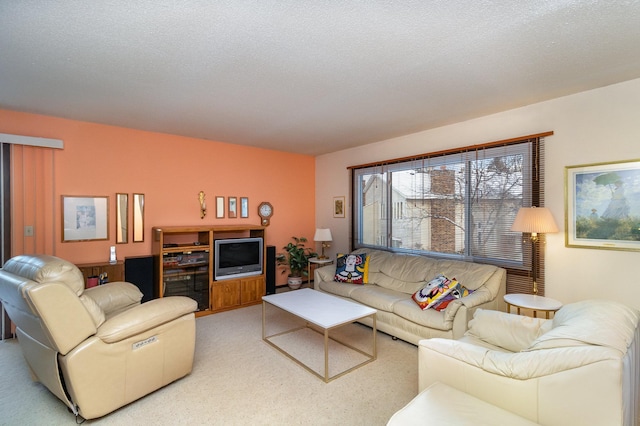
column 219, row 207
column 122, row 216
column 338, row 207
column 233, row 207
column 85, row 218
column 244, row 207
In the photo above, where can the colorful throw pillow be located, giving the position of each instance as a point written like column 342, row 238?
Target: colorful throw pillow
column 434, row 291
column 352, row 268
column 458, row 292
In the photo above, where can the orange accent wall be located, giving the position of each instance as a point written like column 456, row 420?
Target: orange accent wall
column 170, row 170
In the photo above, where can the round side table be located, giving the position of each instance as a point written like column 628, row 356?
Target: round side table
column 316, row 261
column 533, row 302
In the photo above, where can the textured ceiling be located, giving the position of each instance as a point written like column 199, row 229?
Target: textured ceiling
column 306, row 76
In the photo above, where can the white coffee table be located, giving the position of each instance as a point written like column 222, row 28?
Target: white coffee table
column 325, row 312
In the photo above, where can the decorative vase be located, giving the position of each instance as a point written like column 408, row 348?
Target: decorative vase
column 294, row 282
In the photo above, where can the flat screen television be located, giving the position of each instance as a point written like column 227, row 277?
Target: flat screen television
column 238, row 257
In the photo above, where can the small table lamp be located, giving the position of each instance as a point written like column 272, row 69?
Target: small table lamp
column 534, row 220
column 324, row 236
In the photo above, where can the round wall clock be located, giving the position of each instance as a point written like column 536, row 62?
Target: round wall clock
column 265, row 211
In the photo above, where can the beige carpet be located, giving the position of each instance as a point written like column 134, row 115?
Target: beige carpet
column 238, row 379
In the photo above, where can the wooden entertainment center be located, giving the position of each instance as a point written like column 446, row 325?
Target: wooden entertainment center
column 184, row 266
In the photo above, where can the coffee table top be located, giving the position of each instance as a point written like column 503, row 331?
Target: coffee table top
column 321, row 309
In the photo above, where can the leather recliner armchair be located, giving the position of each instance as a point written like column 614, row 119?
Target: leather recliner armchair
column 100, row 348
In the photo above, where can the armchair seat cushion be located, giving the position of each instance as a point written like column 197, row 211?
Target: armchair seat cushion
column 431, row 318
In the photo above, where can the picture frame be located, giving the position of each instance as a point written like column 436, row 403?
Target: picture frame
column 602, row 201
column 85, row 218
column 339, row 206
column 138, row 218
column 244, row 207
column 122, row 218
column 219, row 207
column 233, row 207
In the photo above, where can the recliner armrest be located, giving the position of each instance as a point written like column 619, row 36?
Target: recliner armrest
column 114, row 296
column 145, row 317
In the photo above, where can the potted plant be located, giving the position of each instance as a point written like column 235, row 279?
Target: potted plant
column 295, row 258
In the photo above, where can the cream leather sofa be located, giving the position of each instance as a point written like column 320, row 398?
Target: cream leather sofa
column 95, row 349
column 393, row 278
column 580, row 368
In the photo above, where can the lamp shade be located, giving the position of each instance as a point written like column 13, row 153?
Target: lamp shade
column 534, row 220
column 322, row 234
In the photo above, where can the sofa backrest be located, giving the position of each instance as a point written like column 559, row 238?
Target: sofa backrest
column 591, row 322
column 42, row 296
column 408, row 273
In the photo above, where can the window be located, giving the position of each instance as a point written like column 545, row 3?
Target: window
column 455, row 204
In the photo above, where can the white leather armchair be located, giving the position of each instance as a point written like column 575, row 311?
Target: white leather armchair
column 95, row 349
column 580, row 368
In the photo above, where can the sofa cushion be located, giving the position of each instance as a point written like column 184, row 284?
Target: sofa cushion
column 473, row 275
column 431, row 318
column 508, row 331
column 352, row 268
column 377, row 297
column 434, row 291
column 440, row 404
column 591, row 322
column 401, row 272
column 339, row 289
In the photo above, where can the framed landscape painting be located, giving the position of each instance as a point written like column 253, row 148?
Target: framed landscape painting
column 602, row 205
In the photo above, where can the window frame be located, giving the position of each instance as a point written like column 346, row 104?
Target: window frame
column 528, row 146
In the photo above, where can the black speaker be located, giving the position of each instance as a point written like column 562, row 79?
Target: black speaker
column 139, row 271
column 271, row 269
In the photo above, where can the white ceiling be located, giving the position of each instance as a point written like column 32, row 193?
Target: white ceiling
column 306, row 76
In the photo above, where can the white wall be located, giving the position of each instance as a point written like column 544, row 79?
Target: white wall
column 596, row 126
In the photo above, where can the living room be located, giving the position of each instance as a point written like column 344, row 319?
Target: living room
column 594, row 126
column 590, row 127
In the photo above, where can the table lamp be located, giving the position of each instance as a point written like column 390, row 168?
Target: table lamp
column 534, row 220
column 324, row 236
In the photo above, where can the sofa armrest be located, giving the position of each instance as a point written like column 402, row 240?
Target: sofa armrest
column 145, row 317
column 461, row 311
column 325, row 273
column 114, row 296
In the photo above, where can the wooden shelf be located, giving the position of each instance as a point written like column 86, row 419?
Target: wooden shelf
column 216, row 296
column 114, row 271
